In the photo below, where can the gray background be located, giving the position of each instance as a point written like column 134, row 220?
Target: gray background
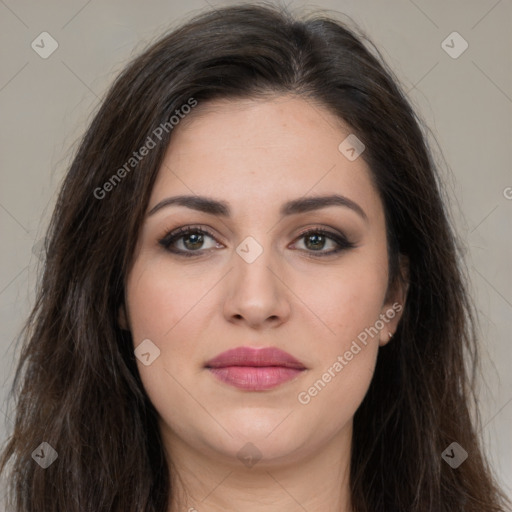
column 46, row 105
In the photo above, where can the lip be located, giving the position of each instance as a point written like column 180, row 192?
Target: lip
column 255, row 369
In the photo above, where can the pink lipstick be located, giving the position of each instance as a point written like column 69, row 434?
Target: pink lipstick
column 255, row 369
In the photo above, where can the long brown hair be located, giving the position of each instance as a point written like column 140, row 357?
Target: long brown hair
column 77, row 386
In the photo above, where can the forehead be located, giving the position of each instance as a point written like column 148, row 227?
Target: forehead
column 282, row 120
column 269, row 150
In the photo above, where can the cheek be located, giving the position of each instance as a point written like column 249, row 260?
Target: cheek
column 349, row 303
column 347, row 300
column 159, row 297
column 334, row 393
column 161, row 304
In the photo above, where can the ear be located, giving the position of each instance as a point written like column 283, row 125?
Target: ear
column 122, row 318
column 394, row 303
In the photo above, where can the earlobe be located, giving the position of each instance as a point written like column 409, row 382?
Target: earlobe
column 395, row 303
column 390, row 316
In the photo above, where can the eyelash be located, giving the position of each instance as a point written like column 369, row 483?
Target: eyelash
column 173, row 236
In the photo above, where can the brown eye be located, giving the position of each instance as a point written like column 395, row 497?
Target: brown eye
column 315, row 240
column 187, row 241
column 193, row 240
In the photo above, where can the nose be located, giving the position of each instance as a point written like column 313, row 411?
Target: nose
column 257, row 294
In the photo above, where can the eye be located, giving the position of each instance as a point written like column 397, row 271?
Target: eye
column 316, row 239
column 190, row 238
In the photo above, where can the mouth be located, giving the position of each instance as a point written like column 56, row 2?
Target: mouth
column 255, row 369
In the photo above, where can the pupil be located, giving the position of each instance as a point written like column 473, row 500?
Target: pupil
column 318, row 240
column 197, row 240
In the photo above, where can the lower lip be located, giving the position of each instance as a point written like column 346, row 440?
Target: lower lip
column 255, row 378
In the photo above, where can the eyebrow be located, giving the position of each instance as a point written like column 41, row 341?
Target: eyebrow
column 296, row 206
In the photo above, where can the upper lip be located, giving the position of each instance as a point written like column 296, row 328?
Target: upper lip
column 247, row 356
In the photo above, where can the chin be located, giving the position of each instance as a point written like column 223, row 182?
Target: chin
column 265, row 436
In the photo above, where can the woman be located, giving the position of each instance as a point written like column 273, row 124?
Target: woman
column 252, row 297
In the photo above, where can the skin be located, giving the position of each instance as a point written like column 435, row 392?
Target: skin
column 255, row 155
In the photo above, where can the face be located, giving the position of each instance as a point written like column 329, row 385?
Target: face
column 268, row 267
